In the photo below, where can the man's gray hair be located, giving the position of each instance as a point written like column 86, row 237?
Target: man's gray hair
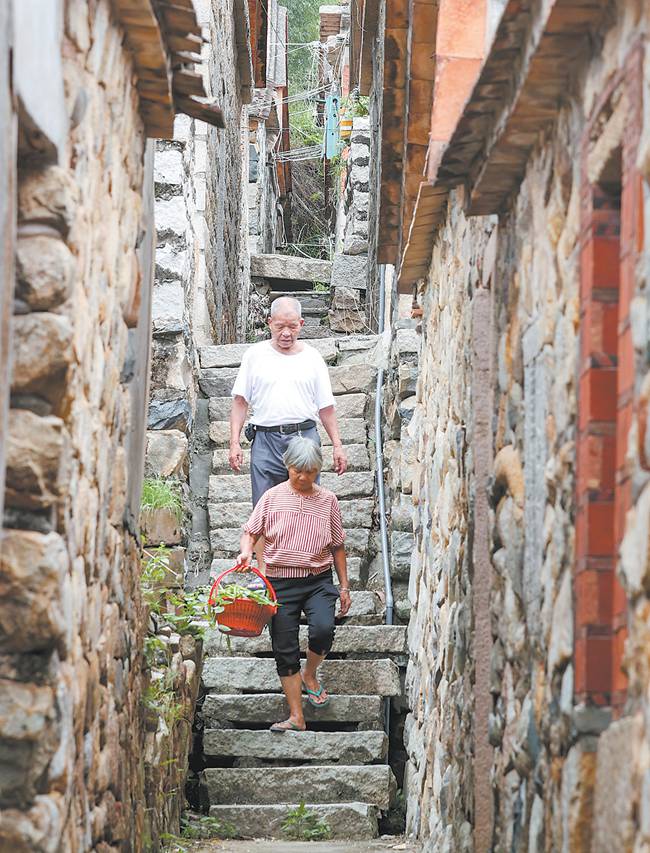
column 282, row 303
column 303, row 455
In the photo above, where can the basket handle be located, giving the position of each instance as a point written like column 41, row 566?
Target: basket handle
column 259, row 574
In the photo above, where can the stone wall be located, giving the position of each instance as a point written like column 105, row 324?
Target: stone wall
column 435, row 469
column 83, row 766
column 72, row 621
column 498, row 718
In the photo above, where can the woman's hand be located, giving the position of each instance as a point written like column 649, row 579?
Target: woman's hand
column 244, row 560
column 346, row 601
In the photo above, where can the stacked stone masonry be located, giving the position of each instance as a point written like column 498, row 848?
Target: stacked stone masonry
column 515, row 337
column 72, row 622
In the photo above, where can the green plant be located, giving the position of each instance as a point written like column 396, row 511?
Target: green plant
column 205, row 826
column 158, row 493
column 228, row 593
column 302, row 825
column 321, row 287
column 160, row 698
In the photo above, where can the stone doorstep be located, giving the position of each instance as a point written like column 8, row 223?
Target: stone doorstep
column 379, row 677
column 326, row 747
column 357, row 454
column 348, row 639
column 223, row 710
column 373, row 784
column 350, row 821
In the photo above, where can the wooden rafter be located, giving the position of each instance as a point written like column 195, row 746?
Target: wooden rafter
column 165, row 40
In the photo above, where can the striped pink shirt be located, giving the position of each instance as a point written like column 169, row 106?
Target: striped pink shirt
column 300, row 530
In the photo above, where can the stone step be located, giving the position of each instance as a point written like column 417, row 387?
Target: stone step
column 373, row 784
column 352, row 431
column 355, row 513
column 357, row 571
column 314, row 330
column 347, row 405
column 353, row 378
column 225, row 710
column 357, row 454
column 349, row 821
column 290, row 267
column 312, row 302
column 224, row 541
column 348, row 639
column 258, row 675
column 306, row 747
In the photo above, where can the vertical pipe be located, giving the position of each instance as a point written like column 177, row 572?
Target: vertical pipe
column 379, row 461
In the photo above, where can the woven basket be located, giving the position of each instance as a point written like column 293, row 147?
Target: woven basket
column 242, row 617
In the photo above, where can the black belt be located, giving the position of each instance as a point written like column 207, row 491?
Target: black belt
column 286, row 429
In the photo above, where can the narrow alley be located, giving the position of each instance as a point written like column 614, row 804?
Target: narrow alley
column 434, row 215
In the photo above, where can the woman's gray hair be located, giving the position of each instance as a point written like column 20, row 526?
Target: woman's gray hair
column 303, row 455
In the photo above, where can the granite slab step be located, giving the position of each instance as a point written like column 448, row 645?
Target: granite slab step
column 348, row 639
column 352, row 431
column 224, row 710
column 378, row 677
column 305, row 747
column 347, row 405
column 349, row 821
column 224, row 541
column 373, row 784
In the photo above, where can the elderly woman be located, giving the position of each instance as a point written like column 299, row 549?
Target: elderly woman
column 301, row 525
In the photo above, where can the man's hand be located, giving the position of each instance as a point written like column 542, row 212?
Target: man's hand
column 346, row 601
column 340, row 459
column 236, row 456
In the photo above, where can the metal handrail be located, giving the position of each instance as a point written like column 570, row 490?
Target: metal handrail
column 379, row 461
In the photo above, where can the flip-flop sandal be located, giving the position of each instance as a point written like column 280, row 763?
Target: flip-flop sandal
column 280, row 728
column 316, row 693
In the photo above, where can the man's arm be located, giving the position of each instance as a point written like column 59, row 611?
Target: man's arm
column 328, row 419
column 237, row 418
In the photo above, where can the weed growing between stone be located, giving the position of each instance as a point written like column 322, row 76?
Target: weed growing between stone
column 300, row 824
column 197, row 828
column 158, row 493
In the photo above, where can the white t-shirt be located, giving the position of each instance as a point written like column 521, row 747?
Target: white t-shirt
column 283, row 389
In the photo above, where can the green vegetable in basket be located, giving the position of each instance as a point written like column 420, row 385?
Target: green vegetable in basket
column 228, row 593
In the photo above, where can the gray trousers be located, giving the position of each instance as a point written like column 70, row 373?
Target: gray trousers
column 267, row 467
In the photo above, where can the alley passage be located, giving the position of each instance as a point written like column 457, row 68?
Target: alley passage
column 339, row 767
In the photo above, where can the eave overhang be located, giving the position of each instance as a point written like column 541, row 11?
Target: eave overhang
column 165, row 40
column 518, row 94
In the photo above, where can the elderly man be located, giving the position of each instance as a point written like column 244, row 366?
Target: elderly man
column 287, row 385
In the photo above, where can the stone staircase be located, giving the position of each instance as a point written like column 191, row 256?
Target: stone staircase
column 339, row 767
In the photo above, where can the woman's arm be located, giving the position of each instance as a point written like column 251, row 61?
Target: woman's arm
column 341, row 567
column 246, row 546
